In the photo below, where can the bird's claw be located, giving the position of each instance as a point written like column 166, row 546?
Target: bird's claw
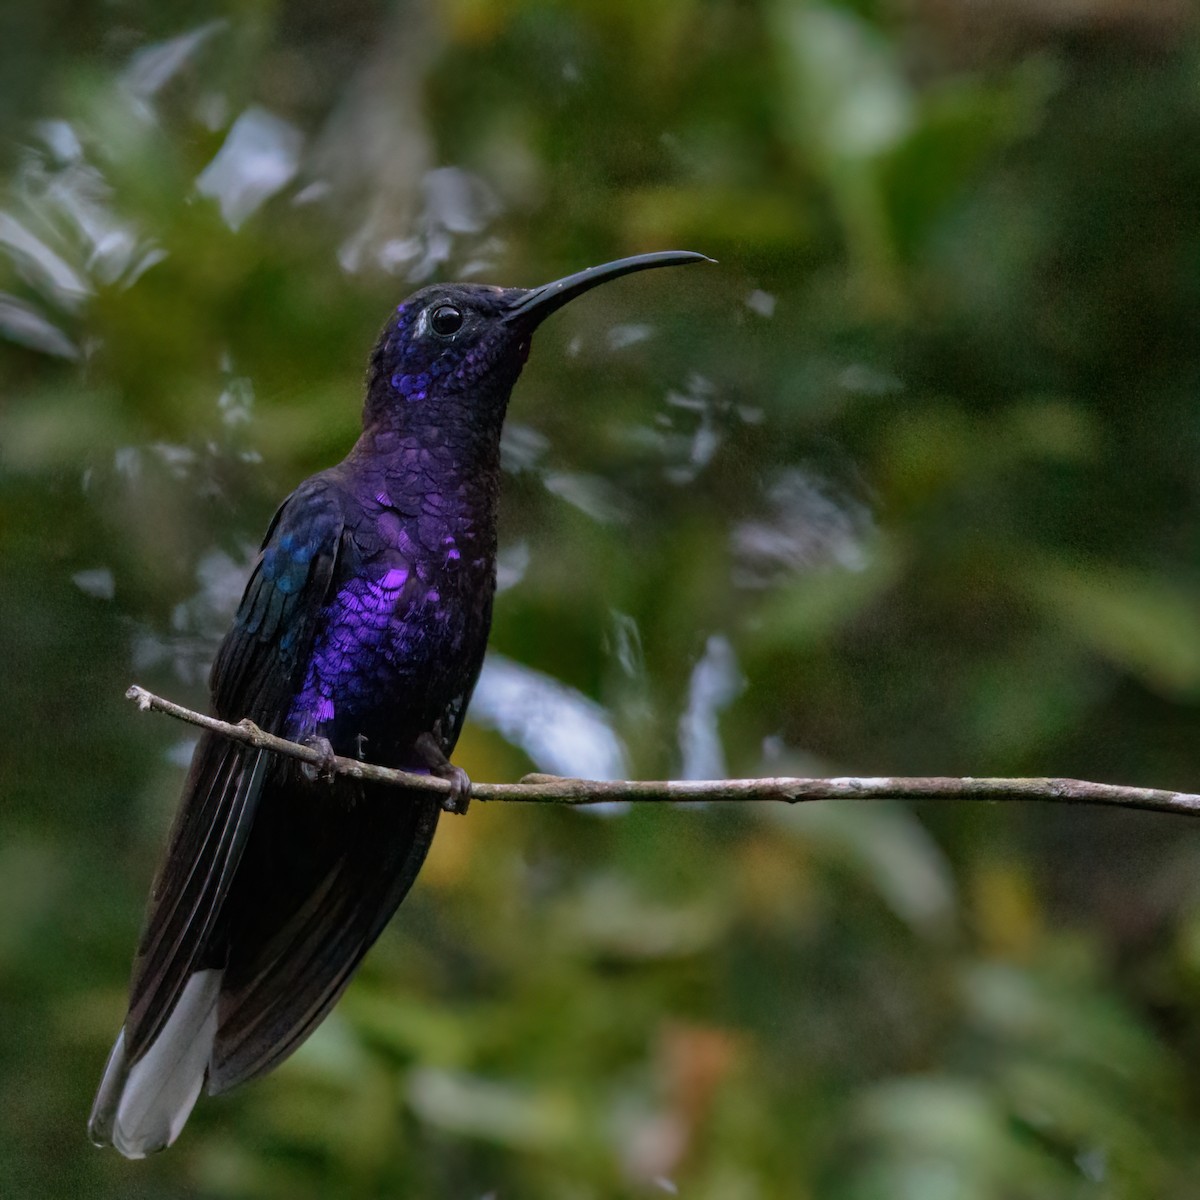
column 458, row 798
column 321, row 772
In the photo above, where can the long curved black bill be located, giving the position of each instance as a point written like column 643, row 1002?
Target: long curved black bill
column 538, row 303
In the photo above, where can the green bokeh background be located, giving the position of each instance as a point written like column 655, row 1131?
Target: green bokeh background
column 907, row 484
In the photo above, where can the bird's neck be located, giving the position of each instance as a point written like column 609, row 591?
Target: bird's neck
column 446, row 473
column 437, row 455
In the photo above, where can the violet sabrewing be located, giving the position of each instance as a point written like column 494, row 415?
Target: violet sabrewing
column 362, row 630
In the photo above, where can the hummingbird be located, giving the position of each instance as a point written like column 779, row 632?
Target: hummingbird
column 361, row 632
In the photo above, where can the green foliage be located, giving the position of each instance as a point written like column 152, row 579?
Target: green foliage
column 907, row 484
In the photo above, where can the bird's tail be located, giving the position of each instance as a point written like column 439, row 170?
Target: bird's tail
column 141, row 1107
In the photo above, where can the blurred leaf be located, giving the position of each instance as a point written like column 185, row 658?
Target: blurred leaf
column 944, row 1137
column 491, row 1110
column 959, row 125
column 809, row 609
column 1147, row 626
column 415, row 1029
column 609, row 917
column 888, row 848
column 1063, row 1017
column 852, row 102
column 850, row 106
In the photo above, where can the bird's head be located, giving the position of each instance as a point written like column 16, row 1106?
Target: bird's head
column 452, row 352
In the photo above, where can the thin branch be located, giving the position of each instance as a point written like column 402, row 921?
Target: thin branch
column 555, row 789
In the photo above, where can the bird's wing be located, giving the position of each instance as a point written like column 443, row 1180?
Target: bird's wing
column 260, row 663
column 278, row 989
column 323, row 872
column 285, row 973
column 255, row 674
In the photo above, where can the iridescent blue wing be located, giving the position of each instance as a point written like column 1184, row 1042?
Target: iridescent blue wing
column 261, row 662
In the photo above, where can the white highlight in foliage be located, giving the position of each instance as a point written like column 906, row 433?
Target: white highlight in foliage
column 561, row 730
column 260, row 156
column 716, row 682
column 152, row 67
column 97, row 582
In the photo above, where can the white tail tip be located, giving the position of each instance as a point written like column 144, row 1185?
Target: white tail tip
column 142, row 1108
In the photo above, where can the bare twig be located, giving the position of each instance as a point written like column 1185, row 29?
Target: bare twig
column 555, row 789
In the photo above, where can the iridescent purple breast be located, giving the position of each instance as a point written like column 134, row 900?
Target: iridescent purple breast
column 393, row 652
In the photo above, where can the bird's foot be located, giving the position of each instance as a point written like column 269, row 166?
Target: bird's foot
column 360, row 746
column 458, row 798
column 320, row 772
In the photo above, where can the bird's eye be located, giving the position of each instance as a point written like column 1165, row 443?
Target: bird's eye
column 446, row 319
